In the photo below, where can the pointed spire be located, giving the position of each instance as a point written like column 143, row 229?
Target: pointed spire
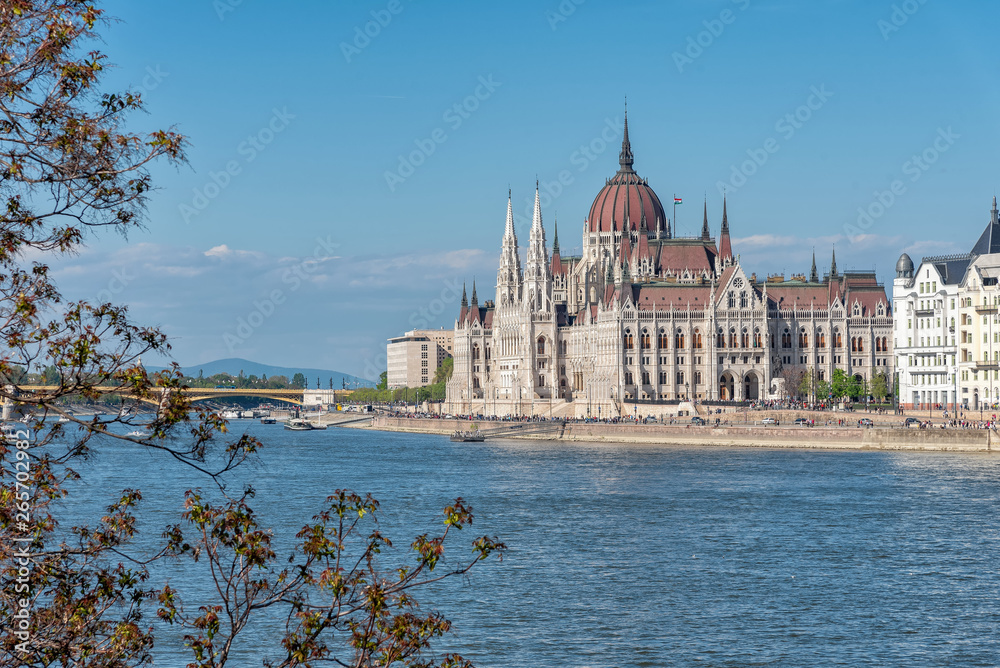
column 536, row 218
column 625, row 158
column 475, row 299
column 705, row 234
column 555, row 238
column 509, row 230
column 813, row 274
column 465, row 300
column 996, row 215
column 725, row 245
column 833, row 264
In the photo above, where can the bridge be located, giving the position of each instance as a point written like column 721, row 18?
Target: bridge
column 196, row 394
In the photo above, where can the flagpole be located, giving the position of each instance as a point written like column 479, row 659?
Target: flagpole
column 675, row 231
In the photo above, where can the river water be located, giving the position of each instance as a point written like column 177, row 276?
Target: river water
column 638, row 555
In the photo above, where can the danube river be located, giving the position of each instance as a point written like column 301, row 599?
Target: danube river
column 647, row 555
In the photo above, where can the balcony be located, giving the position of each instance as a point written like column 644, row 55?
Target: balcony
column 986, row 308
column 924, row 312
column 987, row 366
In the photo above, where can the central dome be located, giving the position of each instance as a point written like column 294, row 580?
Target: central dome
column 626, row 198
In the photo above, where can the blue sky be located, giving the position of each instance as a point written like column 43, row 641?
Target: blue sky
column 284, row 240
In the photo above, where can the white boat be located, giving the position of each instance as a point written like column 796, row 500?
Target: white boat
column 230, row 415
column 298, row 424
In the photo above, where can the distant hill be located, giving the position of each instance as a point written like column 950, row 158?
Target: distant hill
column 234, row 365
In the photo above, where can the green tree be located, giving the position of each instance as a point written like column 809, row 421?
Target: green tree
column 70, row 168
column 298, row 381
column 383, row 381
column 444, row 371
column 840, row 385
column 880, row 387
column 822, row 390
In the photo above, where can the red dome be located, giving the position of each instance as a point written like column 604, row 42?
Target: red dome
column 626, row 197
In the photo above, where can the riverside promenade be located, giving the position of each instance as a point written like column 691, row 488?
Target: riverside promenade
column 750, row 436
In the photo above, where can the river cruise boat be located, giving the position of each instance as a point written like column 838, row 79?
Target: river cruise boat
column 298, row 424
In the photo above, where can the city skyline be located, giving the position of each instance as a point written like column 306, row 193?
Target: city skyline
column 304, row 164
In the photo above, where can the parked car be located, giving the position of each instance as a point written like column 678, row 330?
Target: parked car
column 867, row 422
column 697, row 420
column 803, row 422
column 769, row 421
column 911, row 422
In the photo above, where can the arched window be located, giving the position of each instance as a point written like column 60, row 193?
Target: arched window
column 629, row 341
column 645, row 340
column 861, row 345
column 838, row 342
column 743, row 300
column 745, row 338
column 475, row 382
column 820, row 339
column 720, row 339
column 732, row 300
column 663, row 342
column 756, row 338
column 733, row 342
column 679, row 339
column 696, row 338
column 475, row 351
column 541, row 345
column 786, row 339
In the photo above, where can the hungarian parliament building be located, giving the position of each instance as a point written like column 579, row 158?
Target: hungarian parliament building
column 645, row 322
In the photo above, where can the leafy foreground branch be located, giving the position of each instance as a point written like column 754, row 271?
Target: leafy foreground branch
column 79, row 596
column 333, row 592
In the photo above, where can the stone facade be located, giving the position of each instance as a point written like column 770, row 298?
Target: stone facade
column 644, row 320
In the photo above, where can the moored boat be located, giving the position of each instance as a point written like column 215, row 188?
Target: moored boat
column 298, row 424
column 467, row 437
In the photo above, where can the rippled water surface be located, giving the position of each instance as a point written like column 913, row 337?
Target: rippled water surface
column 651, row 556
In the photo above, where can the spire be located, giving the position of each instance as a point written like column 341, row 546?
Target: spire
column 994, row 212
column 705, row 234
column 813, row 274
column 475, row 299
column 465, row 300
column 625, row 158
column 555, row 238
column 509, row 230
column 833, row 264
column 725, row 246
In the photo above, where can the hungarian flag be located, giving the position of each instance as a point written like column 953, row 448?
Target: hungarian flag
column 678, row 200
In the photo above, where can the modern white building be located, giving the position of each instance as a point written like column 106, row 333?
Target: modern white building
column 944, row 330
column 414, row 357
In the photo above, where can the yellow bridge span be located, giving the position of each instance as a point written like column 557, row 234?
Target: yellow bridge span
column 201, row 393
